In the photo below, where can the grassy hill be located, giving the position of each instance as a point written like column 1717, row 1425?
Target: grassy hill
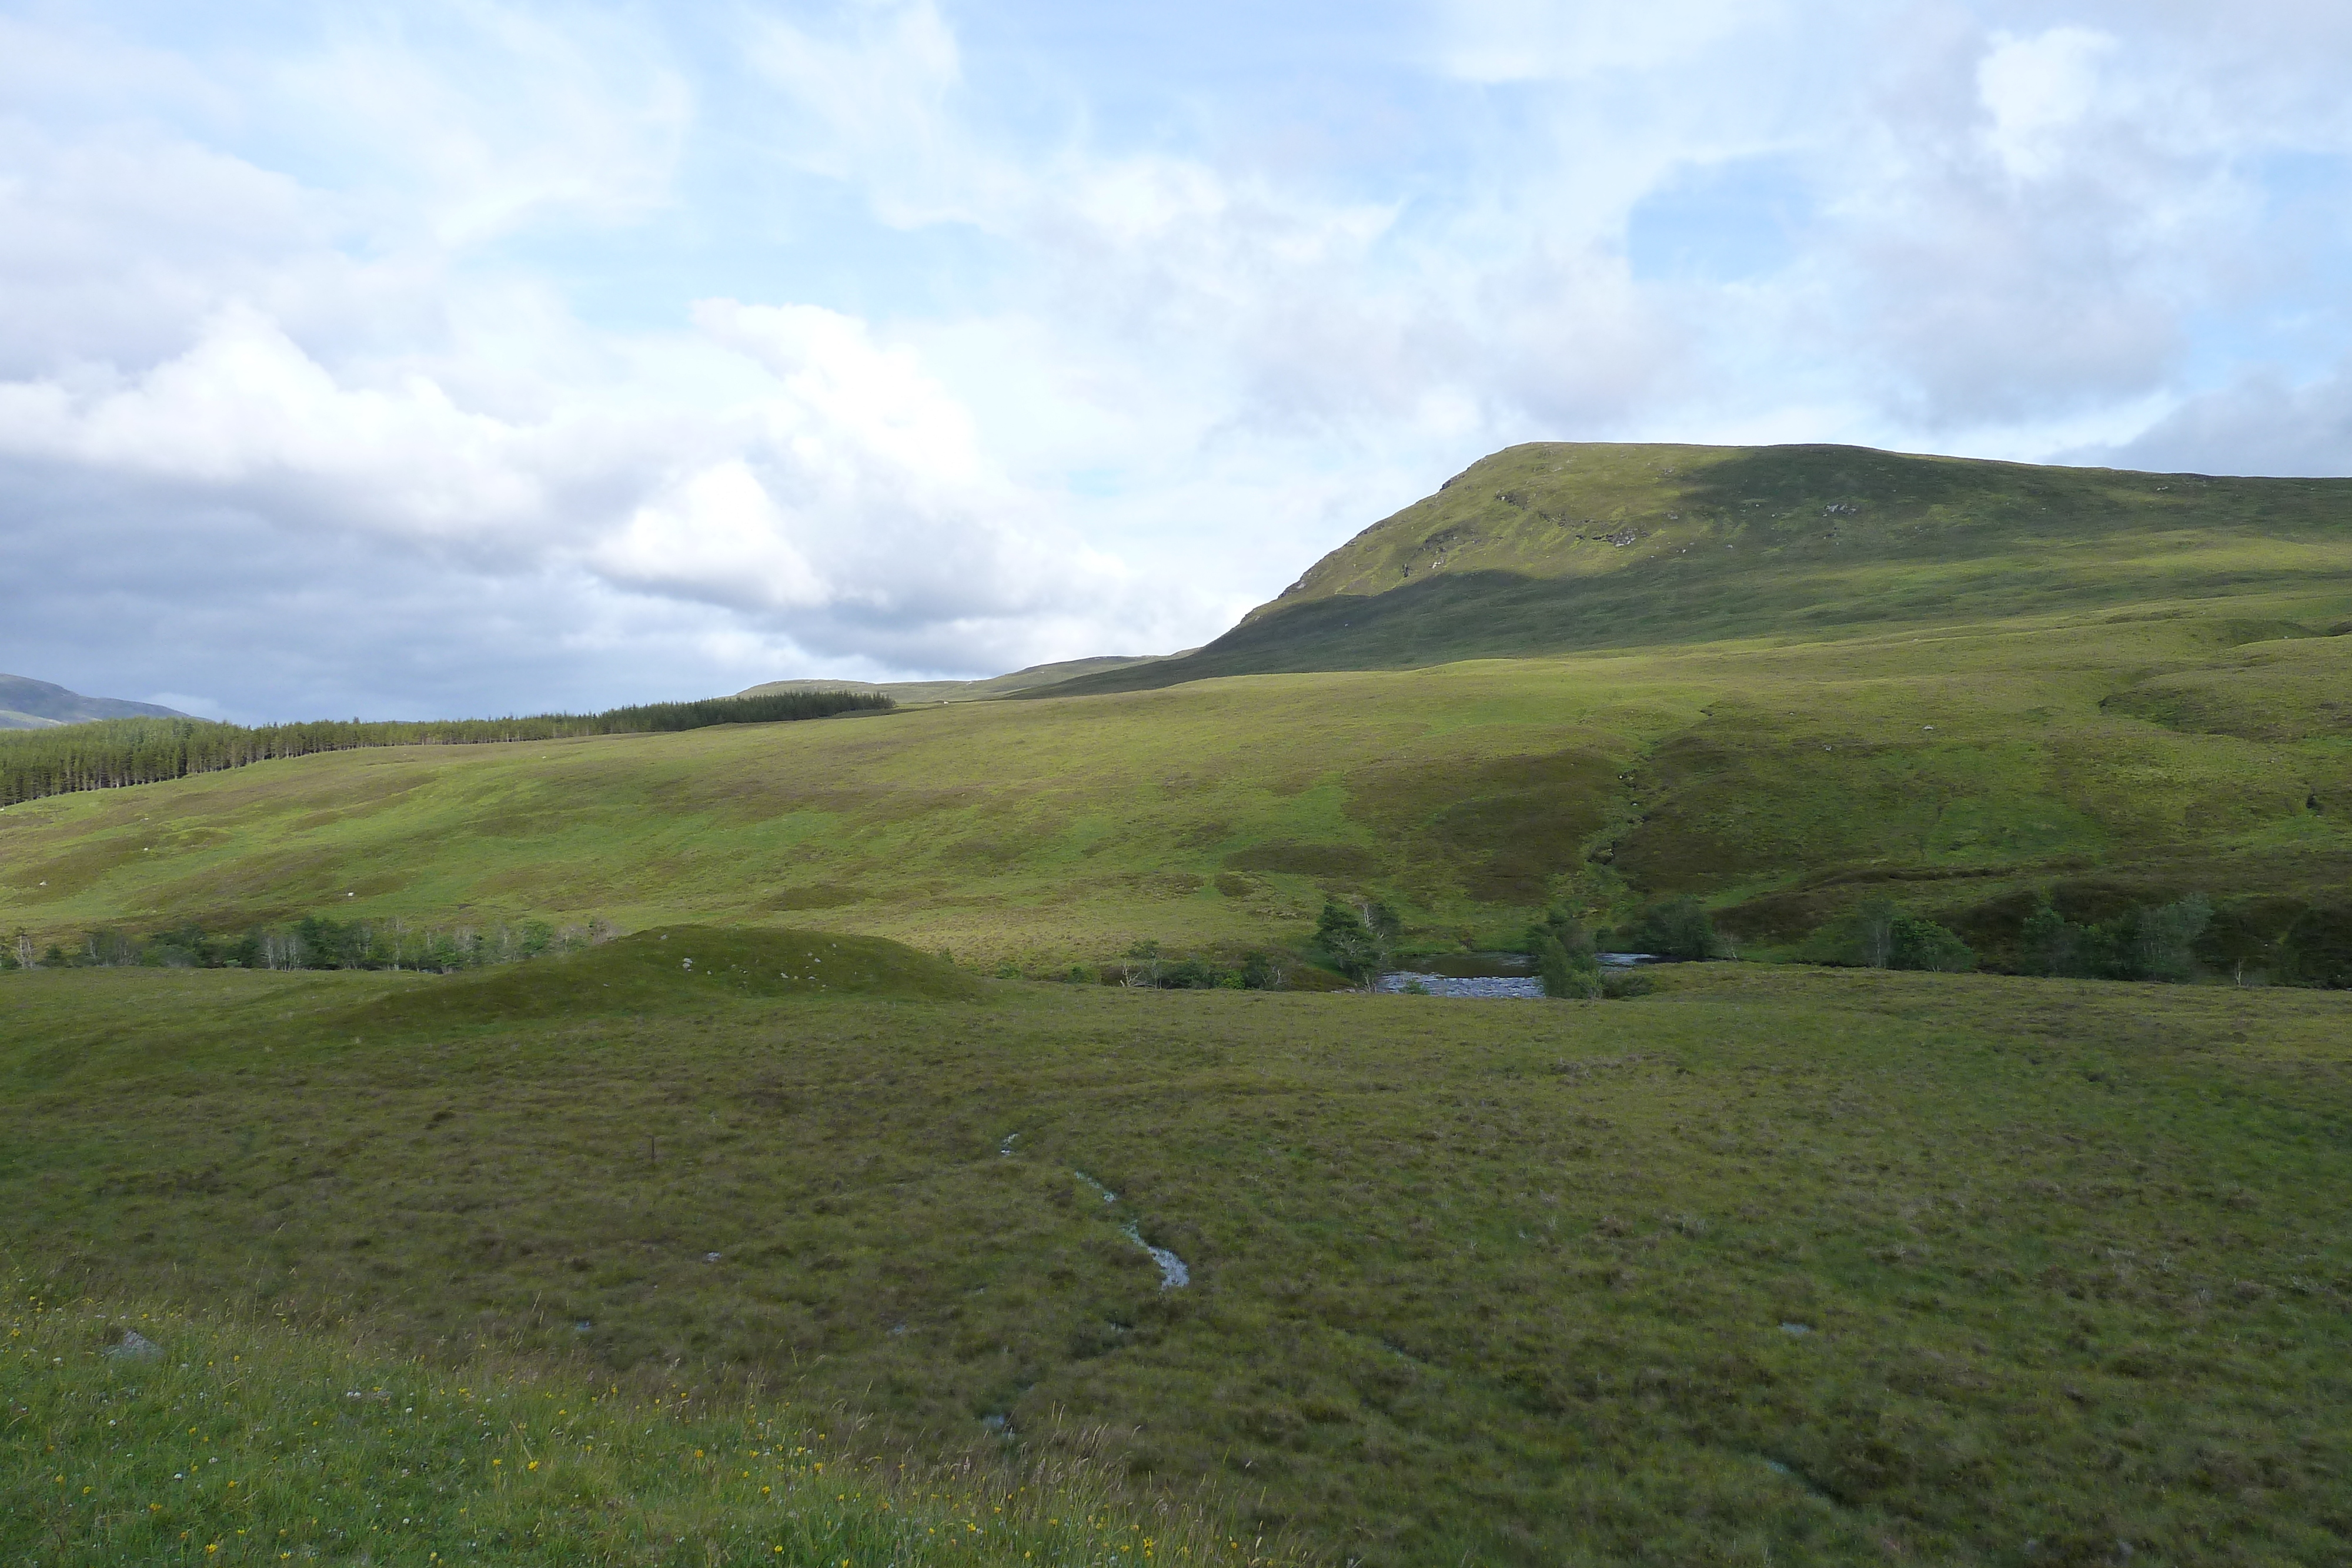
column 1772, row 1263
column 2107, row 756
column 26, row 703
column 1807, row 675
column 1560, row 546
column 1035, row 678
column 1799, row 1265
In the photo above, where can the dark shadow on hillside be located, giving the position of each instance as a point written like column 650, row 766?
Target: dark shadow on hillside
column 1801, row 541
column 1496, row 616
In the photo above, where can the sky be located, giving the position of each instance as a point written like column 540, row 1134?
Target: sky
column 469, row 358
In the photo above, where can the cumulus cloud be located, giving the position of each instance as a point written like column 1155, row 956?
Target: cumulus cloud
column 844, row 479
column 246, row 413
column 472, row 353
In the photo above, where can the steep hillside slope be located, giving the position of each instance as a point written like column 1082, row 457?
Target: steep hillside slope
column 1555, row 547
column 26, row 703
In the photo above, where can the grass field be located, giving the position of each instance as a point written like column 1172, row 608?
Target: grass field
column 1773, row 1264
column 2169, row 751
column 1776, row 1264
column 249, row 1439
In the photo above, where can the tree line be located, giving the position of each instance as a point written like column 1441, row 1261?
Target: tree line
column 2147, row 942
column 109, row 754
column 315, row 942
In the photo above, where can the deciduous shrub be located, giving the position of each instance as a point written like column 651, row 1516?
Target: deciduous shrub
column 2319, row 947
column 1877, row 934
column 1562, row 950
column 1677, row 928
column 2148, row 942
column 1356, row 947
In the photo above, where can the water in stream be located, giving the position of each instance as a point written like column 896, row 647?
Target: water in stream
column 1396, row 980
column 1173, row 1274
column 1489, row 975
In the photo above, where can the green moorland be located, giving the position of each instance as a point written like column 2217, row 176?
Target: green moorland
column 1556, row 545
column 1772, row 1264
column 250, row 1439
column 2108, row 758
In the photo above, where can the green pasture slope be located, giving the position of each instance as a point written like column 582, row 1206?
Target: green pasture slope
column 1774, row 1264
column 2111, row 757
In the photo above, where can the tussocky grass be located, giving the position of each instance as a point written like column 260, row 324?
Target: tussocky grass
column 262, row 1441
column 1814, row 1265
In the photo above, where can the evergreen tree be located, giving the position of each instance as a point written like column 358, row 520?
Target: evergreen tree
column 111, row 754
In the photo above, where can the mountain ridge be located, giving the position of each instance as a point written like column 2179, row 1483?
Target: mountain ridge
column 915, row 691
column 1555, row 547
column 28, row 703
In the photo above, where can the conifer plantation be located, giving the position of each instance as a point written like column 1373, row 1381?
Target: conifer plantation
column 112, row 754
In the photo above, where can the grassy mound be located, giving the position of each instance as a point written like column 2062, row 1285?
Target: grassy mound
column 215, row 1441
column 1810, row 1265
column 677, row 966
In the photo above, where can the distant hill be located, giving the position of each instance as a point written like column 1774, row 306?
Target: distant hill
column 913, row 691
column 1564, row 547
column 27, row 703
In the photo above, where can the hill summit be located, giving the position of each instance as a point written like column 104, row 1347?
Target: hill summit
column 1558, row 547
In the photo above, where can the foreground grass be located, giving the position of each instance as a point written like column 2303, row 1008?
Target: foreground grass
column 1774, row 1264
column 254, row 1442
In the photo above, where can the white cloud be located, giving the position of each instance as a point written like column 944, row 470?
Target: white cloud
column 849, row 480
column 2036, row 90
column 246, row 411
column 717, row 535
column 871, row 99
column 469, row 126
column 878, row 400
column 696, row 346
